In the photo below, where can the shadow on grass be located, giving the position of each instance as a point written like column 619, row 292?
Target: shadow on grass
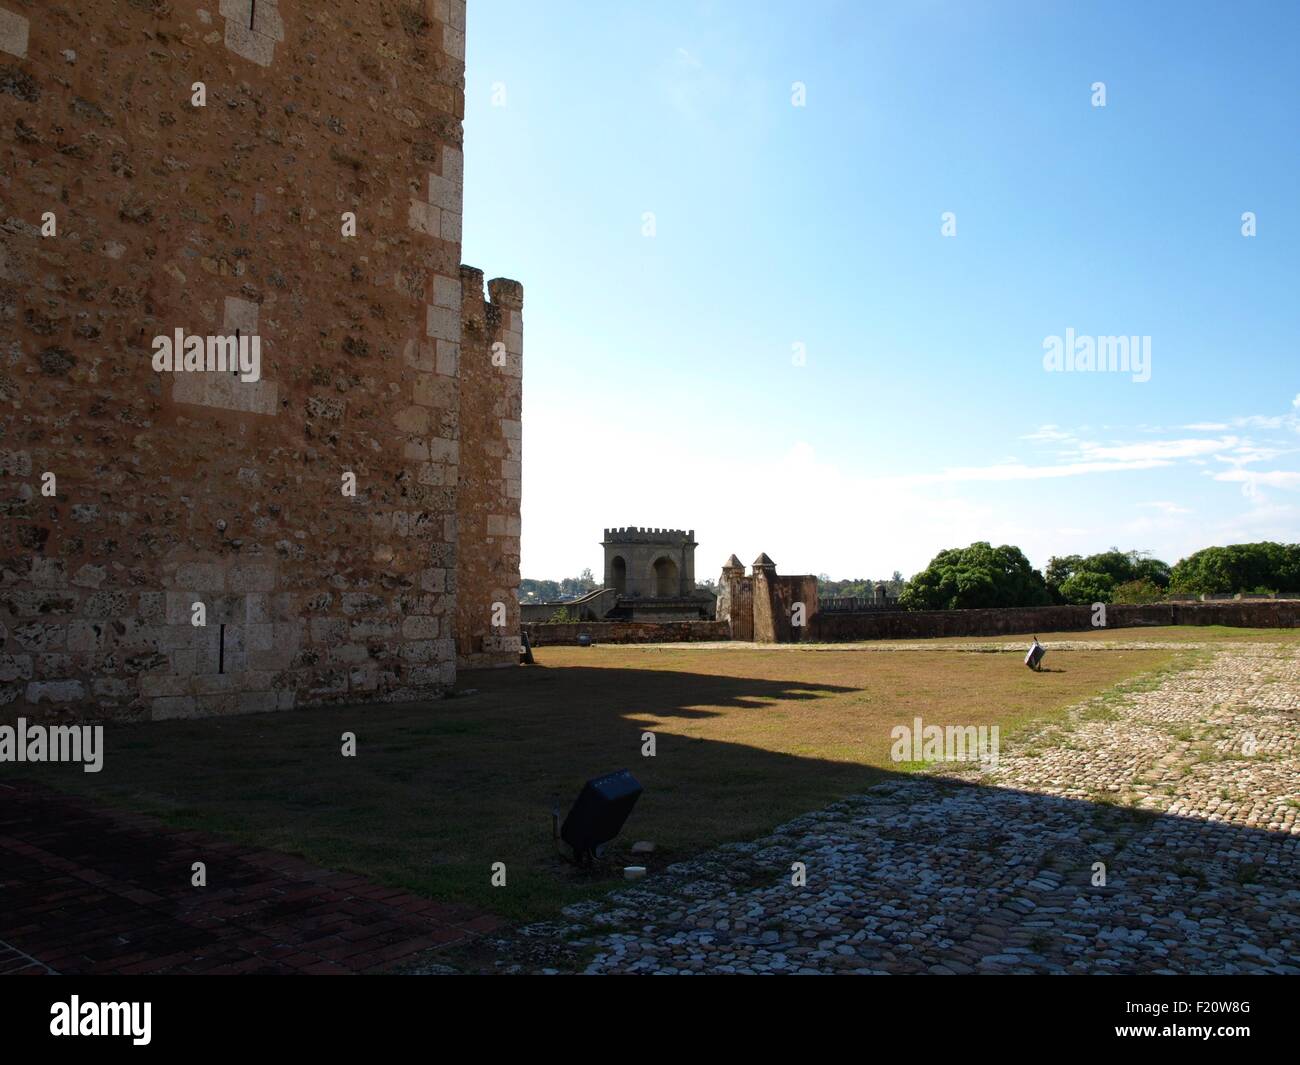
column 440, row 791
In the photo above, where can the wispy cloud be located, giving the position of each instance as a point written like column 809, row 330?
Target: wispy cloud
column 1248, row 453
column 1048, row 434
column 1163, row 450
column 1267, row 478
column 1019, row 471
column 1078, row 458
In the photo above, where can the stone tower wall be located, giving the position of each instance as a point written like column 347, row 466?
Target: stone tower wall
column 640, row 548
column 167, row 489
column 491, row 398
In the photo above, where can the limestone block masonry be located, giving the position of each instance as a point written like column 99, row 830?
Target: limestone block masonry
column 313, row 200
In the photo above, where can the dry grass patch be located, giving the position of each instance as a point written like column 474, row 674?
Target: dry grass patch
column 439, row 791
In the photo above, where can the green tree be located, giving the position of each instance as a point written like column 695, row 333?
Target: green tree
column 980, row 575
column 1150, row 569
column 1137, row 592
column 580, row 585
column 1238, row 568
column 1088, row 586
column 1059, row 570
column 536, row 591
column 1119, row 566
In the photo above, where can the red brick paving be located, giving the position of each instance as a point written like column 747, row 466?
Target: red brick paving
column 88, row 890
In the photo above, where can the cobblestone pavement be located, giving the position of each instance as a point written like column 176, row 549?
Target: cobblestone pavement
column 1187, row 792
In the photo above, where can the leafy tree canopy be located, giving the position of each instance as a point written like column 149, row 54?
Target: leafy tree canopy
column 1138, row 592
column 1088, row 586
column 1239, row 568
column 980, row 575
column 1119, row 567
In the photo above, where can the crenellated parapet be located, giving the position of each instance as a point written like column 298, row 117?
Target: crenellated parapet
column 636, row 534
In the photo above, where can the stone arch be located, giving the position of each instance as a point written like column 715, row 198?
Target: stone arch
column 666, row 583
column 618, row 574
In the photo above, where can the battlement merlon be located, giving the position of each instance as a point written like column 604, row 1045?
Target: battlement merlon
column 502, row 292
column 635, row 534
column 497, row 321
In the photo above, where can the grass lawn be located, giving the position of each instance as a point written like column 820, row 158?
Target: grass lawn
column 439, row 791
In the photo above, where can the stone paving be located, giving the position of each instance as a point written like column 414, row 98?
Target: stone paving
column 86, row 890
column 1187, row 793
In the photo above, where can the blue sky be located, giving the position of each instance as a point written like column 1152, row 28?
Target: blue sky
column 660, row 378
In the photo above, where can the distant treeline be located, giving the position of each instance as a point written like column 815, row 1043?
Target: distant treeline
column 551, row 591
column 859, row 587
column 985, row 576
column 982, row 576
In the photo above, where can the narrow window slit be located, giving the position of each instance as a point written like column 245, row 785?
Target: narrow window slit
column 221, row 652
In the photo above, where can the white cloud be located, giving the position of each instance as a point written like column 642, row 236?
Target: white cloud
column 1048, row 434
column 1085, row 458
column 1162, row 450
column 1249, row 453
column 864, row 517
column 1255, row 478
column 1018, row 471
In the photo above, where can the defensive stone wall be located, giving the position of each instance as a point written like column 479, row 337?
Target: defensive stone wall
column 920, row 624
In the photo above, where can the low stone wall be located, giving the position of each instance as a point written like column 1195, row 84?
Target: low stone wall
column 922, row 624
column 541, row 634
column 591, row 606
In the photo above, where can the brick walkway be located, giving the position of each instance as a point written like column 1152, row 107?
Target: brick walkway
column 86, row 890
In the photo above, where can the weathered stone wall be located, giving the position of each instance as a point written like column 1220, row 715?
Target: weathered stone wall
column 487, row 511
column 789, row 592
column 921, row 624
column 171, row 489
column 542, row 633
column 762, row 607
column 736, row 600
